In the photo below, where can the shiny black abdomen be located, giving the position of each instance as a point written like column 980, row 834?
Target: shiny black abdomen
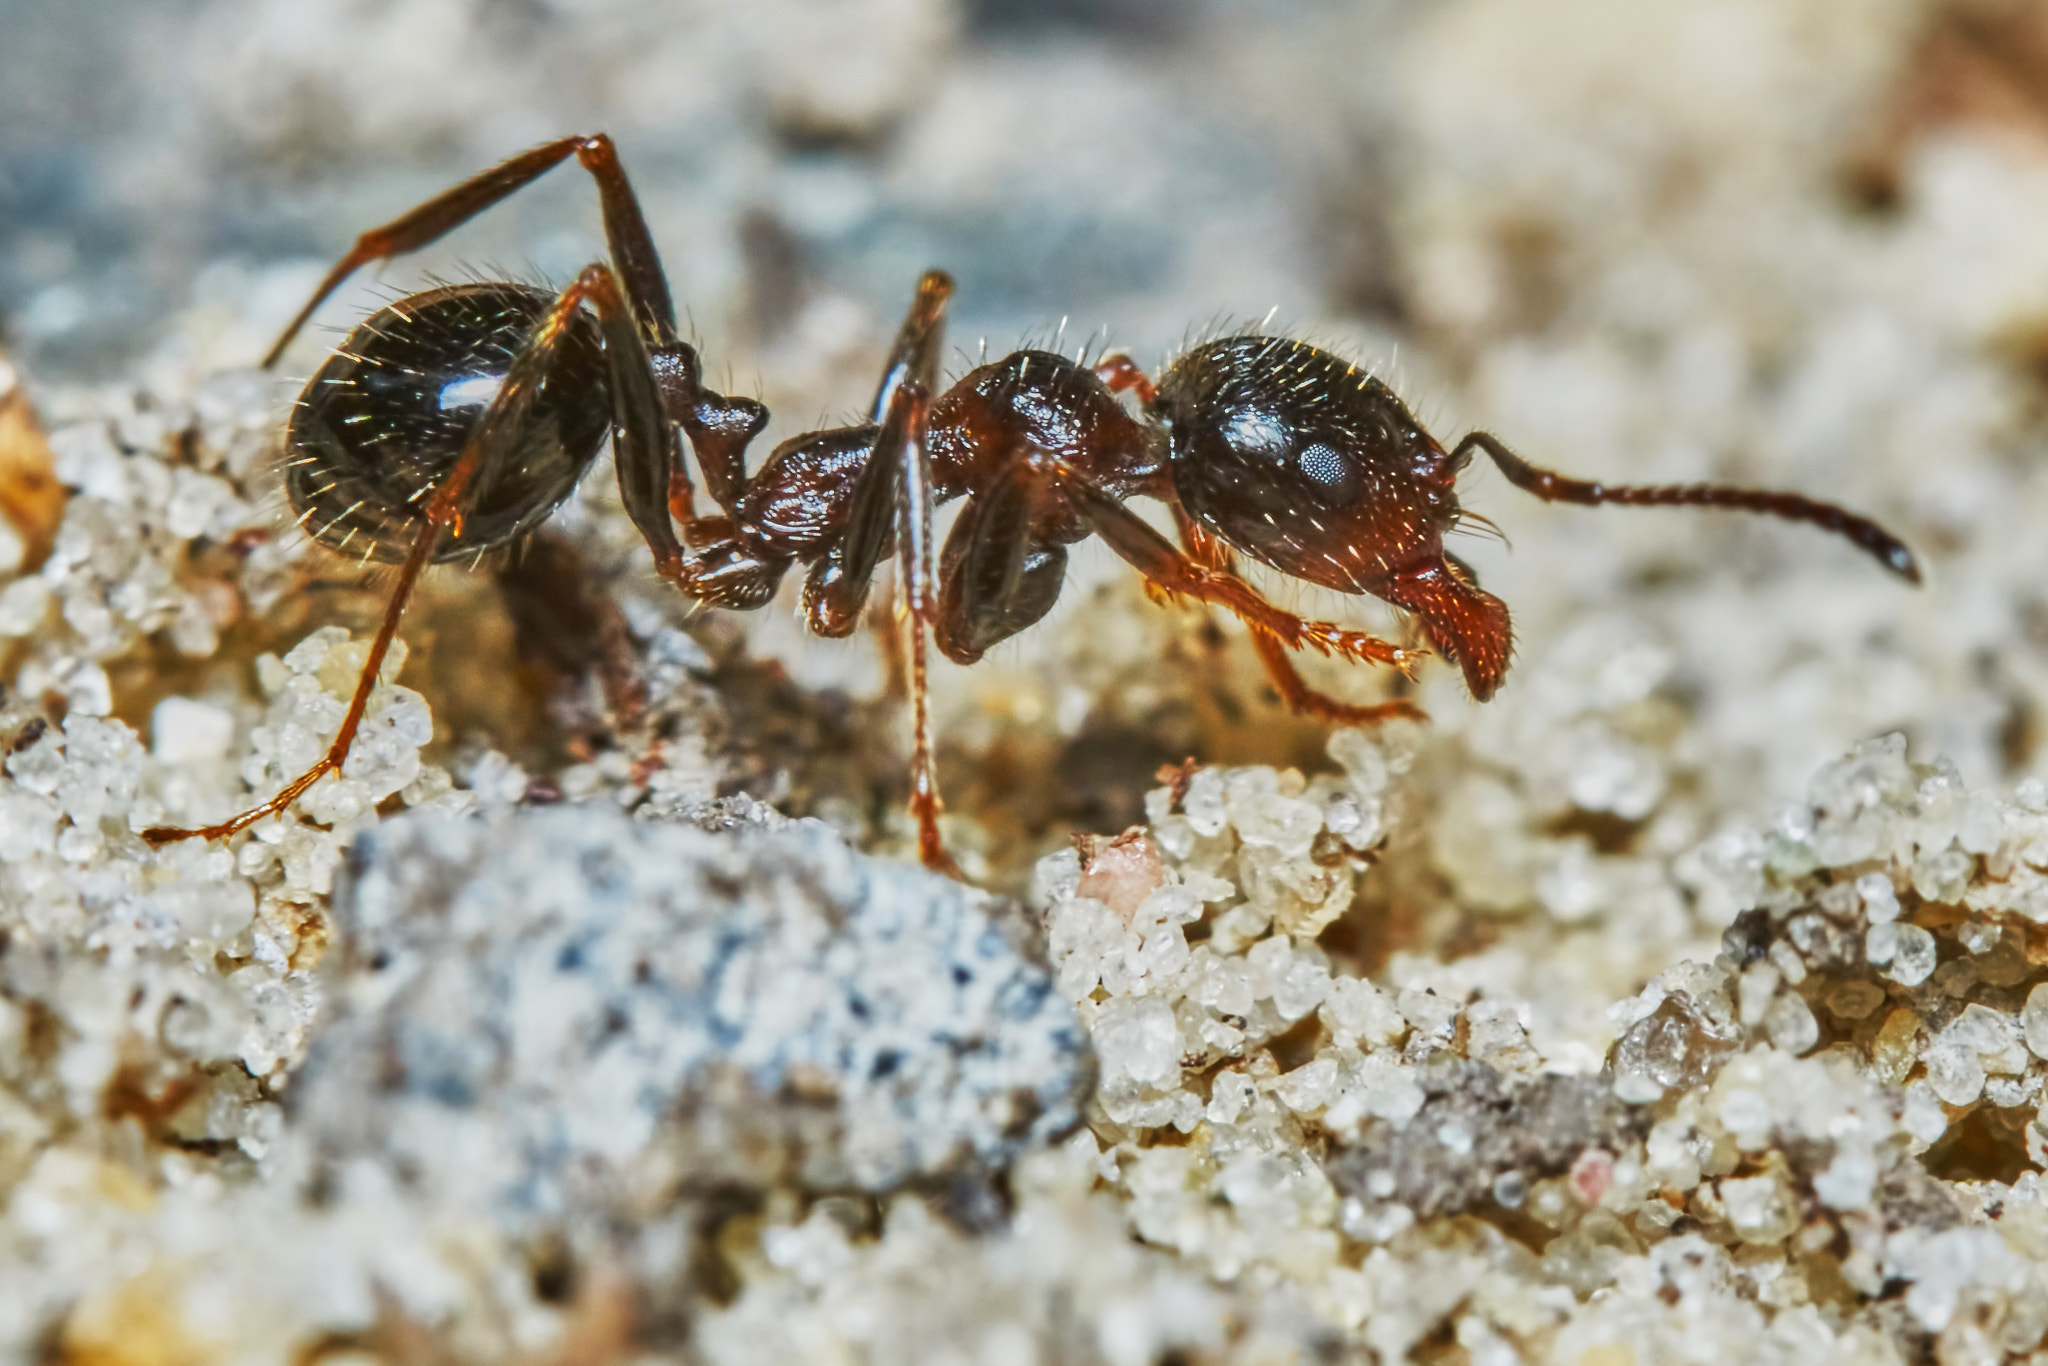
column 385, row 419
column 1303, row 461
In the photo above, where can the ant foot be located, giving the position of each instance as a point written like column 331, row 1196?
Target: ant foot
column 1330, row 639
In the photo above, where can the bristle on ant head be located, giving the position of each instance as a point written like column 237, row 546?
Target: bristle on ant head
column 1471, row 523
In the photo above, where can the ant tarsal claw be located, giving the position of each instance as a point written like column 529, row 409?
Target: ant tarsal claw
column 1160, row 594
column 1407, row 661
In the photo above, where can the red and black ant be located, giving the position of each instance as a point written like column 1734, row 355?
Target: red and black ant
column 456, row 420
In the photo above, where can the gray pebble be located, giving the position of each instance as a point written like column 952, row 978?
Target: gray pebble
column 566, row 1008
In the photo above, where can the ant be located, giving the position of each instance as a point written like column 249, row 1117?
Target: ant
column 456, row 420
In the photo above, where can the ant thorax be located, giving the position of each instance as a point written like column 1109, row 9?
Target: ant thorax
column 1045, row 405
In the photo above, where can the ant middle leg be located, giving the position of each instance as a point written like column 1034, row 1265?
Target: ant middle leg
column 995, row 577
column 442, row 514
column 892, row 501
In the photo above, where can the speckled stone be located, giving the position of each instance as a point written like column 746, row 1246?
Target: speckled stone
column 565, row 1004
column 1476, row 1126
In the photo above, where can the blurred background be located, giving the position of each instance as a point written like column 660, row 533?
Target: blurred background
column 1795, row 242
column 1099, row 162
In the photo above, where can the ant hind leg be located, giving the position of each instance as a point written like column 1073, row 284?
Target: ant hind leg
column 632, row 246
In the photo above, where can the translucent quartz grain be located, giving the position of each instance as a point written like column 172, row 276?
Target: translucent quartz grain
column 1954, row 1072
column 1204, row 803
column 1880, row 901
column 1922, row 1116
column 1942, row 876
column 1747, row 1115
column 1755, row 992
column 1854, row 999
column 1791, row 1025
column 1358, row 1013
column 23, row 606
column 2034, row 1020
column 1760, row 1209
column 1849, row 1179
column 1978, row 936
column 1913, row 957
column 1982, row 827
column 1136, row 1038
column 1287, row 824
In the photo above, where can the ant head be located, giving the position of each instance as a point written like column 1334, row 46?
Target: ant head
column 1303, row 461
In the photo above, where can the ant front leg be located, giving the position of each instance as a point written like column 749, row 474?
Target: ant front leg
column 632, row 246
column 995, row 578
column 1295, row 692
column 838, row 585
column 1887, row 549
column 497, row 433
column 1171, row 573
column 1304, row 700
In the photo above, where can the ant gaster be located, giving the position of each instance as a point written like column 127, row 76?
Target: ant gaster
column 455, row 420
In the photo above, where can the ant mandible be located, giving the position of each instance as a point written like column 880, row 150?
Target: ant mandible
column 458, row 419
